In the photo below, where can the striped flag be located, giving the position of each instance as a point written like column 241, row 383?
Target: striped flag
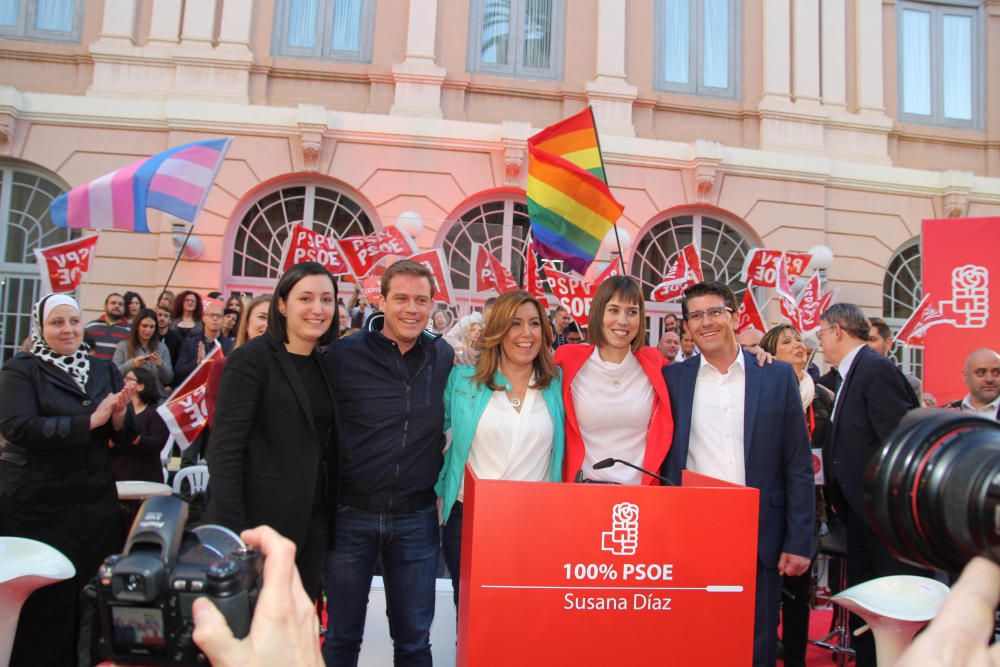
column 569, row 202
column 175, row 181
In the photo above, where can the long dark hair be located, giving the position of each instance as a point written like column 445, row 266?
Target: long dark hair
column 133, row 335
column 127, row 298
column 277, row 324
column 150, row 394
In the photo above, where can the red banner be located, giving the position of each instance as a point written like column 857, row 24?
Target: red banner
column 305, row 245
column 749, row 314
column 812, row 303
column 364, row 252
column 371, row 286
column 959, row 257
column 63, row 266
column 574, row 294
column 761, row 266
column 791, row 311
column 914, row 331
column 185, row 412
column 686, row 271
column 435, row 261
column 490, row 273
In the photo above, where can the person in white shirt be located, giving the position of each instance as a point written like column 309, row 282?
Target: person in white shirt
column 982, row 377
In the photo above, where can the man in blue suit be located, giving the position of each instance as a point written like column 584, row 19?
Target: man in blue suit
column 743, row 423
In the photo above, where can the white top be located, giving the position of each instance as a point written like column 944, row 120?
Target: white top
column 989, row 410
column 843, row 368
column 613, row 404
column 512, row 445
column 716, row 447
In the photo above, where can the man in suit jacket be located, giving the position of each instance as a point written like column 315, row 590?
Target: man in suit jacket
column 737, row 421
column 874, row 395
column 982, row 377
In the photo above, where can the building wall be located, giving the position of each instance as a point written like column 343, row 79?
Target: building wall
column 811, row 152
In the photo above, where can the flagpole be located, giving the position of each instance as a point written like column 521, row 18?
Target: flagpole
column 180, row 251
column 600, row 154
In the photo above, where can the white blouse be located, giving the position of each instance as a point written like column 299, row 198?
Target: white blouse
column 512, row 445
column 613, row 404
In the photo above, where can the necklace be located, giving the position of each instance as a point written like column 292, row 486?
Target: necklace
column 516, row 402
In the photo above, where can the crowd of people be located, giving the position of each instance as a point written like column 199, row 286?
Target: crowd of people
column 346, row 428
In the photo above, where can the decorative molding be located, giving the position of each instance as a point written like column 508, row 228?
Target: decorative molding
column 513, row 162
column 7, row 122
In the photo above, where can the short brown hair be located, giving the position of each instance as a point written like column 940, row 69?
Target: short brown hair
column 406, row 267
column 628, row 291
column 491, row 341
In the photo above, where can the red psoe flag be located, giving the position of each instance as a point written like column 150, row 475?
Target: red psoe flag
column 761, row 266
column 490, row 273
column 186, row 411
column 684, row 272
column 434, row 260
column 362, row 253
column 574, row 294
column 532, row 283
column 305, row 245
column 914, row 332
column 811, row 304
column 749, row 314
column 63, row 266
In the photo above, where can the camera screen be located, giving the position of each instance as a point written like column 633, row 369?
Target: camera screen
column 136, row 627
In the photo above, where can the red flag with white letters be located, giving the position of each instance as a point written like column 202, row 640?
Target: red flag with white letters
column 305, row 245
column 749, row 314
column 490, row 273
column 63, row 266
column 532, row 283
column 685, row 271
column 914, row 332
column 362, row 253
column 186, row 412
column 761, row 266
column 574, row 294
column 434, row 260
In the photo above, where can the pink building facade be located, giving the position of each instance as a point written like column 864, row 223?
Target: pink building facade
column 734, row 124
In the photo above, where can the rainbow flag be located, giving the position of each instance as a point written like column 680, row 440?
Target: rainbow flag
column 569, row 202
column 176, row 181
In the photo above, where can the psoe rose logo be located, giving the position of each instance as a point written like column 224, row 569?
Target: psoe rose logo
column 969, row 307
column 623, row 538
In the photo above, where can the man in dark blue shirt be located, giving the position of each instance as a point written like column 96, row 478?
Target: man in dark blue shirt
column 389, row 388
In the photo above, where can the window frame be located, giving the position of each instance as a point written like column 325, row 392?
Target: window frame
column 25, row 30
column 515, row 43
column 909, row 259
column 937, row 10
column 324, row 29
column 695, row 85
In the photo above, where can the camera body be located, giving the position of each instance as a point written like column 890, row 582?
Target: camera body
column 145, row 594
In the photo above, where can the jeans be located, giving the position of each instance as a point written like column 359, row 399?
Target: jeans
column 407, row 545
column 451, row 545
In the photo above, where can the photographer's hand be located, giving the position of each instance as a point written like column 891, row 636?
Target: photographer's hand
column 284, row 631
column 960, row 633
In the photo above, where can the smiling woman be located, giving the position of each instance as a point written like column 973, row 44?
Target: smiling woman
column 506, row 414
column 272, row 438
column 616, row 399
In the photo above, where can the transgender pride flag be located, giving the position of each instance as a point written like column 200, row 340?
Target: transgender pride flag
column 176, row 181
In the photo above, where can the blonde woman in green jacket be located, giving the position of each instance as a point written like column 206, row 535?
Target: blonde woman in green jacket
column 505, row 414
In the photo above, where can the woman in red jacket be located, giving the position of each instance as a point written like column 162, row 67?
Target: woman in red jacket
column 614, row 392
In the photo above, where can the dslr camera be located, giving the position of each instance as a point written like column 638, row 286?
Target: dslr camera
column 144, row 595
column 933, row 489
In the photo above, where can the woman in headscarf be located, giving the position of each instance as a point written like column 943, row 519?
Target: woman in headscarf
column 59, row 408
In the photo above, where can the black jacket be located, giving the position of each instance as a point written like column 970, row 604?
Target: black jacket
column 873, row 399
column 264, row 454
column 55, row 472
column 188, row 359
column 390, row 419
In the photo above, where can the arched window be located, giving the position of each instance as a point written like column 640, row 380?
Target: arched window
column 901, row 294
column 499, row 224
column 265, row 222
column 25, row 225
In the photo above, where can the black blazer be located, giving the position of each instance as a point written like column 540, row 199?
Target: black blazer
column 55, row 472
column 264, row 454
column 871, row 402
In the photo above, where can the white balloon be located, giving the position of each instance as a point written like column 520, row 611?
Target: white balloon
column 612, row 244
column 194, row 248
column 822, row 257
column 411, row 222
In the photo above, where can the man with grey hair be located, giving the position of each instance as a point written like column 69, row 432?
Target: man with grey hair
column 872, row 399
column 982, row 377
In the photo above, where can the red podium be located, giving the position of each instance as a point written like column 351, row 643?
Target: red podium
column 597, row 574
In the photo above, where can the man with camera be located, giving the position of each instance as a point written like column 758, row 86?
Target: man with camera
column 872, row 399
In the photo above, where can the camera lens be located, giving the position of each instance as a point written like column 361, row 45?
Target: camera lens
column 933, row 490
column 133, row 583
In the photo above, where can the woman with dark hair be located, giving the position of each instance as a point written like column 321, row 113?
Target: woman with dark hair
column 506, row 413
column 613, row 389
column 59, row 408
column 133, row 304
column 188, row 310
column 272, row 439
column 140, row 459
column 144, row 349
column 785, row 342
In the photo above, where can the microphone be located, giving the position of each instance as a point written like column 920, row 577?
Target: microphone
column 607, row 463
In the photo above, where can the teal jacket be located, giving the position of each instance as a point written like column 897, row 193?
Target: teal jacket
column 465, row 400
